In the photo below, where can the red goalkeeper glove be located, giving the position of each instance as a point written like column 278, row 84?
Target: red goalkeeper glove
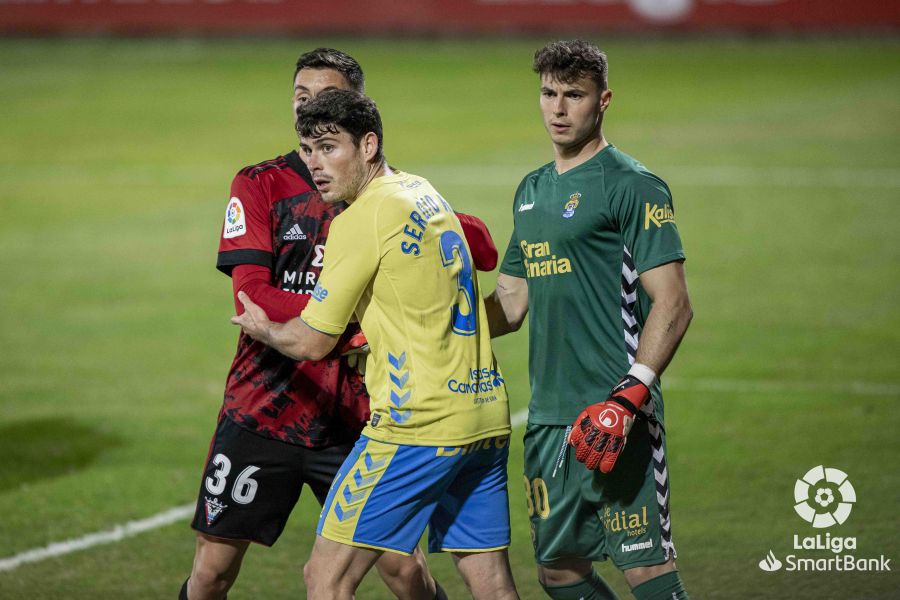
column 599, row 433
column 356, row 350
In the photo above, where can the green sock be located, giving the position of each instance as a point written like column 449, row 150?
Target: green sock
column 667, row 586
column 590, row 588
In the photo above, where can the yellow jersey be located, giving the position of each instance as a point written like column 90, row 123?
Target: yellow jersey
column 398, row 259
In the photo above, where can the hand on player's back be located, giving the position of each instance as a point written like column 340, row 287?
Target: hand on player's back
column 356, row 351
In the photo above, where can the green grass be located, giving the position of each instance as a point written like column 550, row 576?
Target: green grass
column 115, row 161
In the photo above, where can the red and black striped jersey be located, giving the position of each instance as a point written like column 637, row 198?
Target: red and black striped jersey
column 277, row 219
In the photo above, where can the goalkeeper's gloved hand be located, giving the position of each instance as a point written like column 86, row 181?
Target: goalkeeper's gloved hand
column 356, row 350
column 598, row 434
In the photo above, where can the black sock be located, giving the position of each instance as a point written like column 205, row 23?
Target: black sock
column 439, row 593
column 182, row 595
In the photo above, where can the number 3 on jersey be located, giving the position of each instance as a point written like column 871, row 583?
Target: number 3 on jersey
column 463, row 322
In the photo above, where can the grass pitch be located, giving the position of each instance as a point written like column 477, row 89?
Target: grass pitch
column 115, row 161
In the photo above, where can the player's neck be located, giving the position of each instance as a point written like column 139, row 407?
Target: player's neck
column 380, row 169
column 569, row 157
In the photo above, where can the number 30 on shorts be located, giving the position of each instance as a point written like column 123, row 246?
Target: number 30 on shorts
column 537, row 498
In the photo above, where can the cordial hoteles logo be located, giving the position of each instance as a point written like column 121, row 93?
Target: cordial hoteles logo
column 824, row 497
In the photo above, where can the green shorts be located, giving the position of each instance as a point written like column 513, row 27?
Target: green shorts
column 577, row 513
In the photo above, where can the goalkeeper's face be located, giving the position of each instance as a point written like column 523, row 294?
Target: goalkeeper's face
column 336, row 162
column 572, row 111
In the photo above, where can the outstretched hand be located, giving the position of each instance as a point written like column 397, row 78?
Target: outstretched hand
column 254, row 320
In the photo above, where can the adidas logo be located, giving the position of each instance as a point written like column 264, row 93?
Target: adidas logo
column 294, row 233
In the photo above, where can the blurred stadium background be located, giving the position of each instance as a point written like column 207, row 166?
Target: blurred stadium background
column 776, row 123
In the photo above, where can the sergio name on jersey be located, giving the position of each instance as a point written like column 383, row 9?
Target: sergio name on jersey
column 397, row 257
column 581, row 239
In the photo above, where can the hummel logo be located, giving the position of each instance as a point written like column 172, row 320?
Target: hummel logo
column 294, row 233
column 524, row 207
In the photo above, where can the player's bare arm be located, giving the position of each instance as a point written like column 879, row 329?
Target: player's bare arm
column 599, row 432
column 294, row 339
column 507, row 305
column 669, row 316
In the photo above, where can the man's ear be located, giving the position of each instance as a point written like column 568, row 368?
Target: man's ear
column 369, row 146
column 605, row 98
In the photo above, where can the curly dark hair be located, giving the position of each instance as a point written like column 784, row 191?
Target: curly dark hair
column 570, row 60
column 329, row 58
column 344, row 109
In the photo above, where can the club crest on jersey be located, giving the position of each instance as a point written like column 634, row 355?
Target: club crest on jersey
column 235, row 221
column 214, row 509
column 571, row 205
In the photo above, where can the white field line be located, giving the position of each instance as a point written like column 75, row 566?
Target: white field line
column 519, row 418
column 178, row 513
column 117, row 533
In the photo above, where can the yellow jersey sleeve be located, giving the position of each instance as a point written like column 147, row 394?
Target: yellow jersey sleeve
column 398, row 258
column 351, row 261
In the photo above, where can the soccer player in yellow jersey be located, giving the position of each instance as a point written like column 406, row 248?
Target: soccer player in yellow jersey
column 434, row 451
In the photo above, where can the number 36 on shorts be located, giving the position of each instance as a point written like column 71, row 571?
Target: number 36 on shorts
column 537, row 498
column 244, row 489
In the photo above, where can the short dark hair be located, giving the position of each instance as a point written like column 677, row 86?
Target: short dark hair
column 570, row 60
column 351, row 111
column 329, row 58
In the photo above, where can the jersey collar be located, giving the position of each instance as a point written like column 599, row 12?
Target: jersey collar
column 554, row 175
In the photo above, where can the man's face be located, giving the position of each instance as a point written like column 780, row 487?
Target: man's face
column 572, row 111
column 337, row 165
column 309, row 83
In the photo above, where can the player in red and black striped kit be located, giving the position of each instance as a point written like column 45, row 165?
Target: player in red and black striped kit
column 285, row 423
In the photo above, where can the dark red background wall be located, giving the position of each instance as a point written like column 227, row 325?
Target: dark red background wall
column 457, row 16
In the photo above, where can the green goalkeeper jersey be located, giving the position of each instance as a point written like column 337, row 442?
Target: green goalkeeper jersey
column 581, row 239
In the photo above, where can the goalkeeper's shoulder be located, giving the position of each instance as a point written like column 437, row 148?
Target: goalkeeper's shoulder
column 534, row 176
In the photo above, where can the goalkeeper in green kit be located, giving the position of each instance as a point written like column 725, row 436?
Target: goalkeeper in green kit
column 596, row 259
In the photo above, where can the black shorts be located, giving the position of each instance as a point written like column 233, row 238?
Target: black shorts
column 251, row 483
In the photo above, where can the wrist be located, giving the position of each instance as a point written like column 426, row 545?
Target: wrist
column 643, row 373
column 269, row 334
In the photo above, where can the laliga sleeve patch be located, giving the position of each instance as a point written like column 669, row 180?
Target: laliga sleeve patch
column 235, row 219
